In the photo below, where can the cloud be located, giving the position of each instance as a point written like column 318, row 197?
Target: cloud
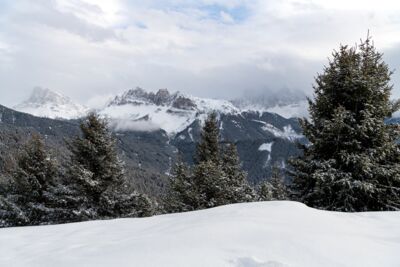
column 214, row 48
column 125, row 125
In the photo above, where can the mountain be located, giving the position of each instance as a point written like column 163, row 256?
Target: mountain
column 139, row 110
column 285, row 102
column 50, row 104
column 181, row 117
column 258, row 234
column 147, row 155
column 153, row 128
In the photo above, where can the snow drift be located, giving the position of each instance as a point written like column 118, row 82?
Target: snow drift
column 242, row 235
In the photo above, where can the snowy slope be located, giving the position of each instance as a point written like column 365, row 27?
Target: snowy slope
column 50, row 104
column 296, row 110
column 243, row 235
column 138, row 110
column 285, row 102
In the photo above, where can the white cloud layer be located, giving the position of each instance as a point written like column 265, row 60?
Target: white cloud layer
column 214, row 48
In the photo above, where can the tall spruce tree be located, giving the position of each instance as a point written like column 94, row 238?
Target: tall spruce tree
column 208, row 147
column 274, row 188
column 181, row 195
column 210, row 185
column 353, row 160
column 216, row 179
column 33, row 184
column 238, row 188
column 98, row 174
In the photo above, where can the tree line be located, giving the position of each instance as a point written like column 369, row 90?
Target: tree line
column 94, row 185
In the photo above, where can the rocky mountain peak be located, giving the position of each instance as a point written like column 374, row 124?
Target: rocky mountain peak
column 40, row 96
column 162, row 97
column 44, row 102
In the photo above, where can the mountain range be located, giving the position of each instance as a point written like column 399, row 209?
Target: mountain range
column 152, row 129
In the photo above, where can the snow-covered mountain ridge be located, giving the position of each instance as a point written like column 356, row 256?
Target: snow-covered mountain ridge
column 137, row 109
column 260, row 234
column 50, row 104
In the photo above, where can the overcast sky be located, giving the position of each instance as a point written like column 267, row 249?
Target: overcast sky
column 90, row 49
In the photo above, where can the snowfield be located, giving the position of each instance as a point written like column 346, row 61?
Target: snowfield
column 263, row 234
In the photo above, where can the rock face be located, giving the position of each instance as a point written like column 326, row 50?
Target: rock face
column 162, row 97
column 181, row 117
column 50, row 104
column 182, row 102
column 169, row 112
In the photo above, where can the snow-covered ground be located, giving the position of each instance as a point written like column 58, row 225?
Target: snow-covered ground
column 242, row 235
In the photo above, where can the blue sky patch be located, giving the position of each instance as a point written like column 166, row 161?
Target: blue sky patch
column 238, row 13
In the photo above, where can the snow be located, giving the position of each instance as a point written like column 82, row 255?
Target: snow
column 266, row 147
column 297, row 110
column 286, row 133
column 294, row 110
column 278, row 233
column 190, row 133
column 170, row 119
column 50, row 104
column 159, row 117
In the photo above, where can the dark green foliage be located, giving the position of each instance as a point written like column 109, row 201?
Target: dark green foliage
column 181, row 194
column 94, row 186
column 215, row 179
column 238, row 188
column 28, row 198
column 352, row 162
column 36, row 170
column 97, row 174
column 95, row 160
column 275, row 188
column 208, row 147
column 210, row 185
column 10, row 213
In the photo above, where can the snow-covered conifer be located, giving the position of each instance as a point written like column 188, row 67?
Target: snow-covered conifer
column 353, row 160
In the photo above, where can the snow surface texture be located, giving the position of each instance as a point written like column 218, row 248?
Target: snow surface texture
column 50, row 104
column 263, row 234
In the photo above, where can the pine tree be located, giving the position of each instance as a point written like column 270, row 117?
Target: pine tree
column 280, row 190
column 215, row 179
column 274, row 188
column 95, row 158
column 181, row 195
column 237, row 187
column 352, row 161
column 208, row 148
column 210, row 184
column 98, row 174
column 36, row 170
column 208, row 178
column 265, row 191
column 34, row 181
column 11, row 214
